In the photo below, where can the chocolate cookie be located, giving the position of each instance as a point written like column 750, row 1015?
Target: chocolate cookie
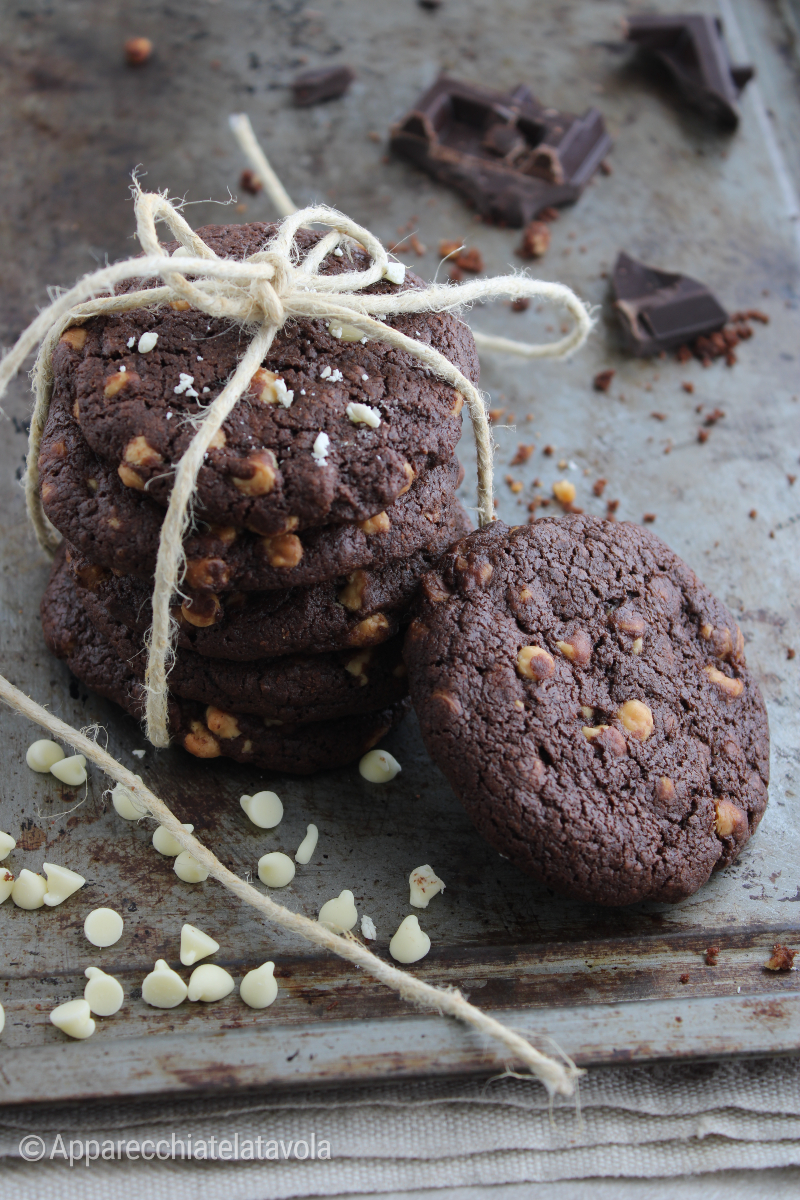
column 136, row 409
column 294, row 689
column 589, row 701
column 361, row 609
column 207, row 731
column 119, row 527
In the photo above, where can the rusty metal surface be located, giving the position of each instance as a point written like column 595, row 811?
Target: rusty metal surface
column 606, row 984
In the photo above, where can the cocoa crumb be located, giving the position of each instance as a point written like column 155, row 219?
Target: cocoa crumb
column 782, row 958
column 599, row 486
column 466, row 260
column 416, row 245
column 649, row 518
column 687, row 386
column 606, row 168
column 658, row 416
column 535, row 240
column 456, row 274
column 137, row 51
column 792, row 480
column 684, row 978
column 790, row 652
column 520, row 305
column 611, row 508
column 712, row 954
column 549, row 451
column 702, row 435
column 602, row 380
column 522, row 455
column 249, row 182
column 515, row 485
column 715, row 415
column 495, row 415
column 753, row 514
column 683, row 354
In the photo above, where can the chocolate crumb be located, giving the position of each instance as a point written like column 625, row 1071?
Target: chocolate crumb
column 684, row 978
column 687, row 386
column 658, row 416
column 249, row 182
column 137, row 51
column 466, row 260
column 522, row 455
column 782, row 958
column 535, row 240
column 702, row 435
column 715, row 415
column 602, row 380
column 549, row 214
column 495, row 415
column 520, row 305
column 599, row 486
column 649, row 518
column 712, row 954
column 548, row 450
column 753, row 514
column 790, row 652
column 792, row 480
column 606, row 168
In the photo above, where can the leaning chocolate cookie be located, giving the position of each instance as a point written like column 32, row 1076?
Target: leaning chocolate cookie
column 589, row 701
column 334, row 427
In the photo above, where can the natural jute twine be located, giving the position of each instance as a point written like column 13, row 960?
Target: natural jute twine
column 261, row 294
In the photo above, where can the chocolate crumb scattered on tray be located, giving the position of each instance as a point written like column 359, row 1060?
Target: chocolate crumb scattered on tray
column 249, row 182
column 684, row 978
column 782, row 958
column 521, row 455
column 321, row 84
column 790, row 652
column 599, row 486
column 602, row 380
column 712, row 954
column 687, row 386
column 535, row 240
column 520, row 305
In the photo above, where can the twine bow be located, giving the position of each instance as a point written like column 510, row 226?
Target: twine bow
column 262, row 293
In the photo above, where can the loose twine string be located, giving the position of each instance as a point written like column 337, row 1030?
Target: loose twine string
column 261, row 293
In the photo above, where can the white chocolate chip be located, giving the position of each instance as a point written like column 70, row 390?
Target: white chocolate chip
column 321, row 447
column 259, row 988
column 141, row 753
column 163, row 987
column 209, row 983
column 74, row 1018
column 29, row 890
column 264, row 809
column 338, row 252
column 125, row 803
column 189, row 869
column 307, row 846
column 103, row 927
column 7, row 844
column 276, row 869
column 424, row 884
column 103, row 993
column 42, row 754
column 182, row 252
column 61, row 883
column 166, row 844
column 195, row 945
column 147, row 342
column 410, row 943
column 362, row 414
column 395, row 272
column 368, row 928
column 378, row 766
column 325, row 372
column 283, row 395
column 339, row 914
column 6, row 884
column 131, row 342
column 71, row 771
column 185, row 385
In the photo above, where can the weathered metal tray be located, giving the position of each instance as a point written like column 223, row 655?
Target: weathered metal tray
column 606, row 985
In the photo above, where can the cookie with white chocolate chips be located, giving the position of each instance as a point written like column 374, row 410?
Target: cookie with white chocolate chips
column 589, row 701
column 137, row 383
column 205, row 730
column 119, row 527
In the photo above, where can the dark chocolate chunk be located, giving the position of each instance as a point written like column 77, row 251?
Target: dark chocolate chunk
column 692, row 49
column 659, row 310
column 324, row 83
column 505, row 152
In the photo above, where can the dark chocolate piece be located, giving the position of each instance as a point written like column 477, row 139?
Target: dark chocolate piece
column 324, row 83
column 659, row 310
column 692, row 49
column 507, row 154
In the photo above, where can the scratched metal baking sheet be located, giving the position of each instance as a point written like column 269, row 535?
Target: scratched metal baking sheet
column 605, row 984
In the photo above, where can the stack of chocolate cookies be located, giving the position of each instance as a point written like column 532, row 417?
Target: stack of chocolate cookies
column 328, row 494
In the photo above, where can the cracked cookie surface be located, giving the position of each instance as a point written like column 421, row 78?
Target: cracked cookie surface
column 589, row 701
